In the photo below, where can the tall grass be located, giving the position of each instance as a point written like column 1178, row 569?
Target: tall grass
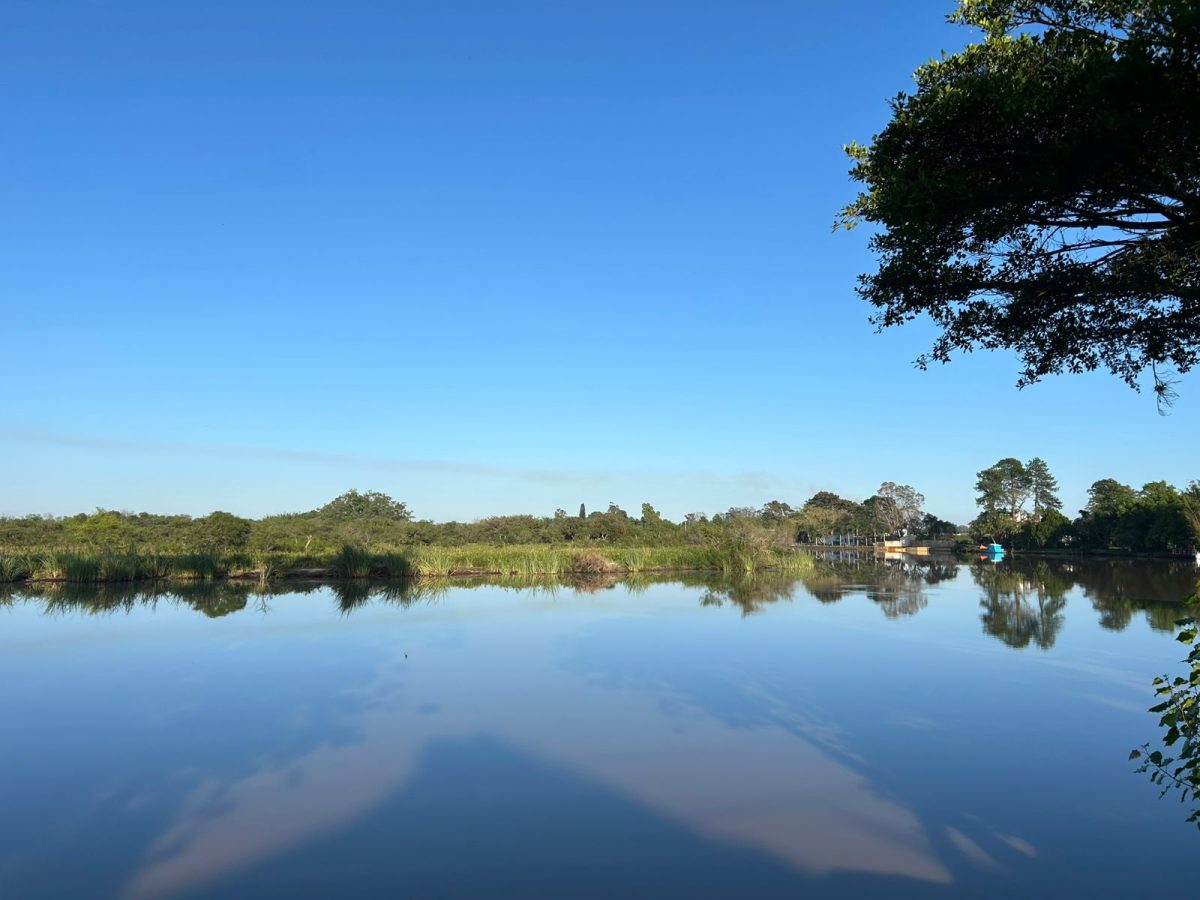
column 202, row 566
column 15, row 567
column 352, row 562
column 737, row 553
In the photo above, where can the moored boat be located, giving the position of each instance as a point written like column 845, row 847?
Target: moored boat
column 990, row 550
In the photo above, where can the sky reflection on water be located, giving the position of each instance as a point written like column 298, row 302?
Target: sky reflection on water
column 916, row 731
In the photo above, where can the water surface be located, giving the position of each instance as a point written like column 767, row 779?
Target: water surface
column 893, row 730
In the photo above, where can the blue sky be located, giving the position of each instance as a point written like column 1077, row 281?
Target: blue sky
column 485, row 257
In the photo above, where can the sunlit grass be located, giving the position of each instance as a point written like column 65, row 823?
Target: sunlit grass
column 734, row 554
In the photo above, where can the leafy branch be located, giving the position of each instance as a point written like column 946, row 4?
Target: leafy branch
column 1179, row 712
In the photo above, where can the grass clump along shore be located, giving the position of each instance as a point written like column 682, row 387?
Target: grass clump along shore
column 370, row 535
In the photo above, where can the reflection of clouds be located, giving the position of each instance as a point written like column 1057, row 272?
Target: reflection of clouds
column 767, row 789
column 792, row 717
column 916, row 723
column 985, row 832
column 778, row 785
column 1019, row 844
column 971, row 850
column 224, row 826
column 1136, row 707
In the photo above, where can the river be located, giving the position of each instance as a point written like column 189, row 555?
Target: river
column 922, row 729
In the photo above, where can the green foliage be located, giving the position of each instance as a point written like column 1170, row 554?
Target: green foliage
column 1043, row 487
column 994, row 525
column 826, row 513
column 1189, row 502
column 104, row 529
column 1051, row 530
column 371, row 533
column 199, row 565
column 1117, row 518
column 829, row 500
column 223, row 532
column 933, row 528
column 897, row 507
column 1175, row 766
column 776, row 511
column 1038, row 192
column 372, row 505
column 1108, row 497
column 1004, row 487
column 352, row 562
column 1152, row 520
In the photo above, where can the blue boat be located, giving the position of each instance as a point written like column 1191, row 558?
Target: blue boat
column 991, row 550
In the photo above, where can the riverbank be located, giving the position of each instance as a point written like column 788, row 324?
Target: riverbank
column 99, row 567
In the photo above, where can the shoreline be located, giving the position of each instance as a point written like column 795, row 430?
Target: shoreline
column 352, row 563
column 327, row 576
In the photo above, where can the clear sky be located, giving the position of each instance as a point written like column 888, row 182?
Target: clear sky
column 485, row 257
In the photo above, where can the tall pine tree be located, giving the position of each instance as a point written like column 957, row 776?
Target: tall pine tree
column 1043, row 487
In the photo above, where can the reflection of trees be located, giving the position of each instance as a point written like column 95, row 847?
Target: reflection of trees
column 1022, row 604
column 1023, row 594
column 1023, row 598
column 351, row 594
column 907, row 599
column 356, row 593
column 593, row 583
column 904, row 583
column 750, row 592
column 897, row 585
column 1018, row 622
column 221, row 604
column 213, row 599
column 1120, row 588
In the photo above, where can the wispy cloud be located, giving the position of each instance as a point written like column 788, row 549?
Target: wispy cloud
column 758, row 481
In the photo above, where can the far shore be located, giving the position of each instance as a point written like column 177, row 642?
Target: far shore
column 731, row 556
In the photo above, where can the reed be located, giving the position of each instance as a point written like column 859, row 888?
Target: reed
column 15, row 567
column 351, row 562
column 199, row 566
column 737, row 554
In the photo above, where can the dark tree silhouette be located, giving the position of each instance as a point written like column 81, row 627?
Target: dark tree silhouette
column 1040, row 191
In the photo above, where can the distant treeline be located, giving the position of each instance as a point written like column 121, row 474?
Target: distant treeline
column 1019, row 503
column 1020, row 507
column 374, row 520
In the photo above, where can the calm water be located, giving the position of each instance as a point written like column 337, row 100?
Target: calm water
column 938, row 731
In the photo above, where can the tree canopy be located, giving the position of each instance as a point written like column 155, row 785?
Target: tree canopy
column 898, row 506
column 369, row 505
column 1004, row 490
column 1040, row 191
column 1043, row 487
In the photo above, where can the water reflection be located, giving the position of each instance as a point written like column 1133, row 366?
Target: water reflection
column 1022, row 599
column 1022, row 604
column 692, row 737
column 899, row 585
